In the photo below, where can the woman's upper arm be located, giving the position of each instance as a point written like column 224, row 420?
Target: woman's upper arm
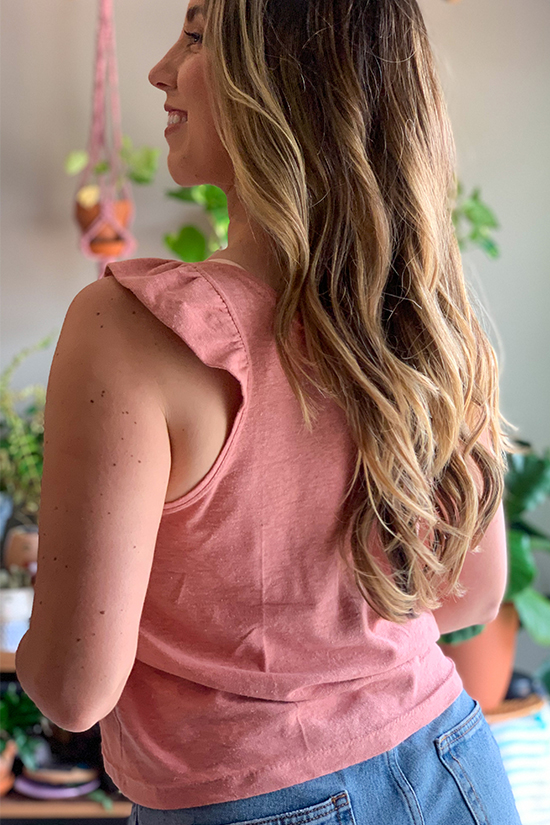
column 485, row 569
column 106, row 469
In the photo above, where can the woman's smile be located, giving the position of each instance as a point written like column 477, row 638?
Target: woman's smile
column 175, row 119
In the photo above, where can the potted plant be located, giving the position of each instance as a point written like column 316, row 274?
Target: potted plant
column 484, row 654
column 137, row 165
column 22, row 440
column 19, row 719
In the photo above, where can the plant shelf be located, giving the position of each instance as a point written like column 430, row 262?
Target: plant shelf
column 7, row 661
column 16, row 806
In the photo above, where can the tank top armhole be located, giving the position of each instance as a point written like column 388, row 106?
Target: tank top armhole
column 187, row 301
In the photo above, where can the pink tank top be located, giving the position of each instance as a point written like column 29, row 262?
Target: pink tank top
column 259, row 664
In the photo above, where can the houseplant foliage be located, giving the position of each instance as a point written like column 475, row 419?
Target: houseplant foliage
column 189, row 243
column 22, row 440
column 19, row 719
column 138, row 165
column 527, row 487
column 474, row 222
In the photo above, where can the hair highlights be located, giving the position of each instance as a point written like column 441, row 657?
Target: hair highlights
column 334, row 118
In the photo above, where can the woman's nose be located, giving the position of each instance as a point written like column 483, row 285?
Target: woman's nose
column 161, row 76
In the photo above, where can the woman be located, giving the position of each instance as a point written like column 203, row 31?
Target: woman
column 273, row 478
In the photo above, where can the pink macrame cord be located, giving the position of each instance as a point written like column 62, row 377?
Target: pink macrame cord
column 106, row 69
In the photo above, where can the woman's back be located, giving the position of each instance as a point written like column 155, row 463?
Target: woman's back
column 254, row 637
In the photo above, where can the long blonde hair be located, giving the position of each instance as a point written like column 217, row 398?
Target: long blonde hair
column 335, row 121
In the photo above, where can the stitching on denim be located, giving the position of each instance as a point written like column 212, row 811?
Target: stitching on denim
column 302, row 817
column 391, row 759
column 465, row 772
column 457, row 733
column 337, row 808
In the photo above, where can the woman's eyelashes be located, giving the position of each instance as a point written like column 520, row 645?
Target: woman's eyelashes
column 194, row 35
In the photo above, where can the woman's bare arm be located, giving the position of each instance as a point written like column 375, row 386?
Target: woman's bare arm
column 484, row 575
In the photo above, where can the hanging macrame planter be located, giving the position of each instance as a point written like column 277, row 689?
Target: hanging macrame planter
column 104, row 207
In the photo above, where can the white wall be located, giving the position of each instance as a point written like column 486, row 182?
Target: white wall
column 495, row 65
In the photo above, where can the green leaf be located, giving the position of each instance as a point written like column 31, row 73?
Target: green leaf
column 220, row 223
column 534, row 612
column 478, row 213
column 543, row 673
column 199, row 192
column 473, row 211
column 19, row 706
column 539, row 540
column 524, row 527
column 76, row 162
column 458, row 636
column 27, row 747
column 522, row 569
column 489, row 246
column 100, row 796
column 183, row 194
column 142, row 164
column 214, row 198
column 527, row 483
column 189, row 244
column 102, row 167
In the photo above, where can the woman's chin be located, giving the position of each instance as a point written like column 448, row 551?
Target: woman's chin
column 181, row 177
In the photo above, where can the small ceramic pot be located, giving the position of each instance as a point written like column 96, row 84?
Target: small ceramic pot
column 86, row 215
column 107, row 249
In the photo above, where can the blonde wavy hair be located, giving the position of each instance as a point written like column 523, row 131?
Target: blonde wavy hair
column 335, row 121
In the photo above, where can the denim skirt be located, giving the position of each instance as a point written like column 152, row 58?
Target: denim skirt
column 450, row 772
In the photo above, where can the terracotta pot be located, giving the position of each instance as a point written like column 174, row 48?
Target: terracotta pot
column 86, row 215
column 7, row 778
column 6, row 783
column 107, row 249
column 486, row 662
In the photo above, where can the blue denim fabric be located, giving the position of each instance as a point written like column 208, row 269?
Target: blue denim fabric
column 450, row 772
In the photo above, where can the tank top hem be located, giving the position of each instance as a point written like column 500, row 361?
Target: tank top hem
column 336, row 756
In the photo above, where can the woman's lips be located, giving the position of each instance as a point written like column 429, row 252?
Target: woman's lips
column 174, row 126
